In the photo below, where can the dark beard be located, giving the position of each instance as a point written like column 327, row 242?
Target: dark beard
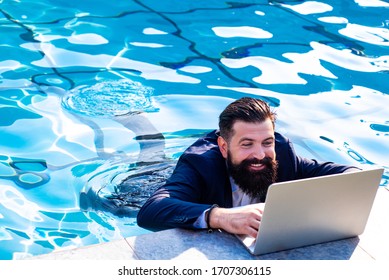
column 253, row 183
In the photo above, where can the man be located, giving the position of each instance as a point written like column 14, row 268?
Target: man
column 222, row 179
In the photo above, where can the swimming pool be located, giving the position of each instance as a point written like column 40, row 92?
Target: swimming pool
column 81, row 84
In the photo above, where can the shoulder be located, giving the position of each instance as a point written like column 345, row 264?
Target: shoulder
column 201, row 164
column 281, row 139
column 205, row 146
column 204, row 154
column 283, row 145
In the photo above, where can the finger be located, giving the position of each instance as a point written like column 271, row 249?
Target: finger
column 255, row 224
column 253, row 232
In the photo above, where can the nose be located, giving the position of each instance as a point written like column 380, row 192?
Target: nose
column 259, row 153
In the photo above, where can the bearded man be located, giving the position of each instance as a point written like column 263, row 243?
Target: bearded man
column 221, row 181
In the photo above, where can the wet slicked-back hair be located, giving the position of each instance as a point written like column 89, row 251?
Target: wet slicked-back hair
column 245, row 109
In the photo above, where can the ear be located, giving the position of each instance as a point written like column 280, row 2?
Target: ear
column 223, row 147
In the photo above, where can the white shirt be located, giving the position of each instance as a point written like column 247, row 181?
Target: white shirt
column 239, row 198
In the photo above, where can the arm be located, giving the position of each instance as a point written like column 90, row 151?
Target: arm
column 177, row 203
column 312, row 168
column 199, row 180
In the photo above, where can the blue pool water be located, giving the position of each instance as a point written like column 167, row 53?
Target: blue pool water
column 82, row 83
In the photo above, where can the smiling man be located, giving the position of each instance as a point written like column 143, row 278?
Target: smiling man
column 222, row 179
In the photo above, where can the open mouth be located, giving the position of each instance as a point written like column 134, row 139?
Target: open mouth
column 257, row 166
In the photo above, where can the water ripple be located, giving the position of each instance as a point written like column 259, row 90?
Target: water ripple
column 123, row 189
column 110, row 98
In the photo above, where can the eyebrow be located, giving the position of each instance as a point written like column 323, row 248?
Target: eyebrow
column 270, row 138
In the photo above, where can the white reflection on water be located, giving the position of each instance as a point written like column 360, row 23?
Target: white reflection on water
column 16, row 202
column 274, row 71
column 66, row 58
column 241, row 31
column 371, row 35
column 309, row 7
column 78, row 39
column 372, row 3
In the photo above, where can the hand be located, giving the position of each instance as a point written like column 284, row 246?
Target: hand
column 238, row 220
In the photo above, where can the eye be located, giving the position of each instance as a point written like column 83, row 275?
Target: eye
column 268, row 143
column 246, row 144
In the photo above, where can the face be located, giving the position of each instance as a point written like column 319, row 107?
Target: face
column 250, row 141
column 250, row 156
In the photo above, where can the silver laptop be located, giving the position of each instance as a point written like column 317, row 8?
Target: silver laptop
column 316, row 210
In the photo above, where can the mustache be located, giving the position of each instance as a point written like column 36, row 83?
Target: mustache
column 254, row 183
column 267, row 161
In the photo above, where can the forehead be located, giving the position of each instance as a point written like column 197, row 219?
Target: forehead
column 252, row 130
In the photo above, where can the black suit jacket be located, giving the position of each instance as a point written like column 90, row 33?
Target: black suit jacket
column 200, row 180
